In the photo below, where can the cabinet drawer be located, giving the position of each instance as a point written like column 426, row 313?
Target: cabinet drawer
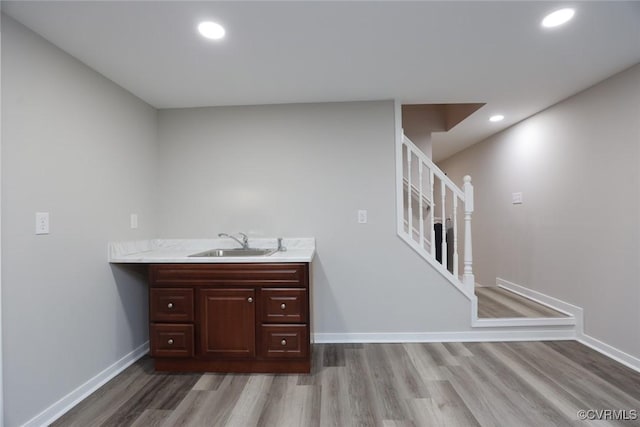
column 171, row 305
column 285, row 341
column 170, row 340
column 230, row 274
column 284, row 305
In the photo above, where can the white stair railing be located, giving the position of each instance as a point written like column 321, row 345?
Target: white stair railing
column 417, row 176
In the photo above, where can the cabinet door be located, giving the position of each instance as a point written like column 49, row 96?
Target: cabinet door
column 227, row 322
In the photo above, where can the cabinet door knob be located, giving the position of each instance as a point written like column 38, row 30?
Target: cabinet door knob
column 250, row 299
column 170, row 341
column 170, row 305
column 283, row 342
column 283, row 306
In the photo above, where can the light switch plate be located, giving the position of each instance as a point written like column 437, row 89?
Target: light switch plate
column 516, row 198
column 362, row 216
column 134, row 220
column 42, row 222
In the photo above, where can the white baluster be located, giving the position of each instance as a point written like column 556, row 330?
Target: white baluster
column 409, row 194
column 420, row 204
column 443, row 190
column 433, row 212
column 468, row 278
column 455, row 236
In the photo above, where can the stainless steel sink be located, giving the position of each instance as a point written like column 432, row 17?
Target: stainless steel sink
column 218, row 253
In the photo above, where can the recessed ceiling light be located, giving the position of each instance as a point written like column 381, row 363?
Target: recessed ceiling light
column 558, row 17
column 496, row 118
column 211, row 30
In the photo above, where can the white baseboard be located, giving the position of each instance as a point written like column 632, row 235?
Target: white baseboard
column 546, row 300
column 63, row 405
column 461, row 336
column 612, row 352
column 504, row 322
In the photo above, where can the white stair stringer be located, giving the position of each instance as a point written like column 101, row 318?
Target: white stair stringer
column 435, row 264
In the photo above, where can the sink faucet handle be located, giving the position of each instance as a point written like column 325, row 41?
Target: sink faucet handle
column 244, row 242
column 280, row 247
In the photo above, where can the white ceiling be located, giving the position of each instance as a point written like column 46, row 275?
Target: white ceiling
column 304, row 51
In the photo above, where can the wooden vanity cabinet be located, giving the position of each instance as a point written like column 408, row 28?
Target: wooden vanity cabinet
column 230, row 317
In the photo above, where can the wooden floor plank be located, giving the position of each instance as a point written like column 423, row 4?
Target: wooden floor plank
column 425, row 366
column 333, row 355
column 188, row 409
column 444, row 407
column 440, row 354
column 335, row 410
column 209, row 382
column 250, row 403
column 407, row 383
column 152, row 418
column 387, row 397
column 363, row 407
column 212, row 408
column 273, row 408
column 289, row 404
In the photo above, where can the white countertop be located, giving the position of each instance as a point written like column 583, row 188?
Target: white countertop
column 178, row 250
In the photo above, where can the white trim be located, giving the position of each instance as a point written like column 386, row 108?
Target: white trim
column 484, row 322
column 1, row 348
column 540, row 298
column 398, row 148
column 63, row 405
column 438, row 172
column 610, row 351
column 435, row 264
column 459, row 336
column 546, row 300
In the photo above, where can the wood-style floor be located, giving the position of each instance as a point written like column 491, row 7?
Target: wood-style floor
column 518, row 384
column 496, row 302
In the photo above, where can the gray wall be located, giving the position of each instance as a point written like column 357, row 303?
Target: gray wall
column 577, row 235
column 305, row 170
column 81, row 148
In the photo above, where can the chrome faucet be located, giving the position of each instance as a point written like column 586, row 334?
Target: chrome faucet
column 244, row 242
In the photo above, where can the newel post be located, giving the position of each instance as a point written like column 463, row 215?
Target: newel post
column 467, row 277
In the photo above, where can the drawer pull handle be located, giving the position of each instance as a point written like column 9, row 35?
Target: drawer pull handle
column 170, row 305
column 170, row 341
column 250, row 299
column 283, row 306
column 283, row 342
